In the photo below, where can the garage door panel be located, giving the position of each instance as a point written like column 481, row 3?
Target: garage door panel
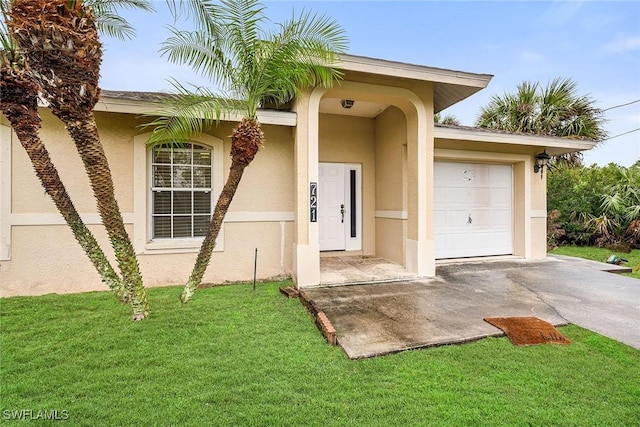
column 478, row 239
column 480, row 197
column 478, row 175
column 480, row 219
column 473, row 209
column 439, row 216
column 457, row 218
column 501, row 196
column 501, row 175
column 501, row 219
column 455, row 196
column 457, row 241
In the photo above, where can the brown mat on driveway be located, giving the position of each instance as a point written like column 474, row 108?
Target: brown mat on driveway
column 528, row 330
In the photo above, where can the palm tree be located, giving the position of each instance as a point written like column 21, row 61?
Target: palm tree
column 447, row 119
column 252, row 65
column 19, row 104
column 621, row 205
column 556, row 110
column 60, row 42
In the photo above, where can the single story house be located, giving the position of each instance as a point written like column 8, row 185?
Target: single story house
column 358, row 169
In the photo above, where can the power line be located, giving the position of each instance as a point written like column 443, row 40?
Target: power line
column 625, row 133
column 621, row 105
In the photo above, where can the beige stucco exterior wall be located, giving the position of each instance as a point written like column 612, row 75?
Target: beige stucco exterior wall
column 115, row 130
column 391, row 185
column 344, row 139
column 45, row 258
column 538, row 214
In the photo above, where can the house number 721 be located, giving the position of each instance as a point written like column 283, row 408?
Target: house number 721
column 313, row 201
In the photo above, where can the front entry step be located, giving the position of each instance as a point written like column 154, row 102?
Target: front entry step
column 345, row 270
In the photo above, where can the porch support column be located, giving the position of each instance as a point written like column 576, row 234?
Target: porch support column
column 420, row 245
column 306, row 250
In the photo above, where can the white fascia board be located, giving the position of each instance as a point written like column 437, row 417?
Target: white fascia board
column 265, row 117
column 412, row 71
column 514, row 139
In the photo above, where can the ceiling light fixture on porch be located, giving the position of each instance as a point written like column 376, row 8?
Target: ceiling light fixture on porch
column 347, row 103
column 542, row 159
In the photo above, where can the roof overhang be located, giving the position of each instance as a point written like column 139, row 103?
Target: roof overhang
column 449, row 86
column 145, row 103
column 554, row 145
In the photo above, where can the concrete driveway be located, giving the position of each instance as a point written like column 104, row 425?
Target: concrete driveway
column 383, row 318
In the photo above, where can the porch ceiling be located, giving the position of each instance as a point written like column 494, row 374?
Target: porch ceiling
column 358, row 109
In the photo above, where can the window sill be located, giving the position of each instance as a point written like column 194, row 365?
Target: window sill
column 167, row 246
column 176, row 246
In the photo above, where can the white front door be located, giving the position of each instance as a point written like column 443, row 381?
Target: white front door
column 339, row 207
column 472, row 207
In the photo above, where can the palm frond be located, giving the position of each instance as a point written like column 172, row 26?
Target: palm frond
column 201, row 52
column 251, row 63
column 555, row 110
column 604, row 225
column 302, row 54
column 446, row 119
column 632, row 213
column 202, row 13
column 110, row 22
column 10, row 55
column 187, row 112
column 613, row 203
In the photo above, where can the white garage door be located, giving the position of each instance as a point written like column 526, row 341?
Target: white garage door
column 472, row 209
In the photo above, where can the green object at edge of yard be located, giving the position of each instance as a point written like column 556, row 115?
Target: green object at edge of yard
column 601, row 254
column 235, row 356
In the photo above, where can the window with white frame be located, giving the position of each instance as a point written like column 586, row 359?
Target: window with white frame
column 181, row 190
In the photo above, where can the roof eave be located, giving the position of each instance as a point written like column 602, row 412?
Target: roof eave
column 554, row 145
column 411, row 71
column 450, row 86
column 116, row 103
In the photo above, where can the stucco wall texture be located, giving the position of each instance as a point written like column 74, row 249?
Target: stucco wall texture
column 45, row 258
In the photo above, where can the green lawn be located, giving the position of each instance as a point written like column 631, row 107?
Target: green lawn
column 238, row 357
column 601, row 254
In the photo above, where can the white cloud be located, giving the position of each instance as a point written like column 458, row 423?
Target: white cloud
column 624, row 44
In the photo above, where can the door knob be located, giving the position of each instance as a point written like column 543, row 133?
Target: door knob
column 342, row 212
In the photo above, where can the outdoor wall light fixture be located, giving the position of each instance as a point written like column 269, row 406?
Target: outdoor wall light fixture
column 542, row 159
column 347, row 103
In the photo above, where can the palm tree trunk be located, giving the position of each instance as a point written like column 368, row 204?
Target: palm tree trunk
column 209, row 242
column 84, row 132
column 19, row 104
column 61, row 45
column 246, row 140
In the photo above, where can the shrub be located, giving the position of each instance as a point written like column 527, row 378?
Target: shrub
column 597, row 205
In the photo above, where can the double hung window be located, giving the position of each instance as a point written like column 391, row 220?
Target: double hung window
column 181, row 190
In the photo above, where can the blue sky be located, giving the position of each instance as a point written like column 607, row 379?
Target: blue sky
column 597, row 43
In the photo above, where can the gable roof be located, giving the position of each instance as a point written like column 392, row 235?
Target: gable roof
column 449, row 86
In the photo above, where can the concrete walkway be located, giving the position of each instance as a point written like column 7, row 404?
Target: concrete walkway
column 376, row 319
